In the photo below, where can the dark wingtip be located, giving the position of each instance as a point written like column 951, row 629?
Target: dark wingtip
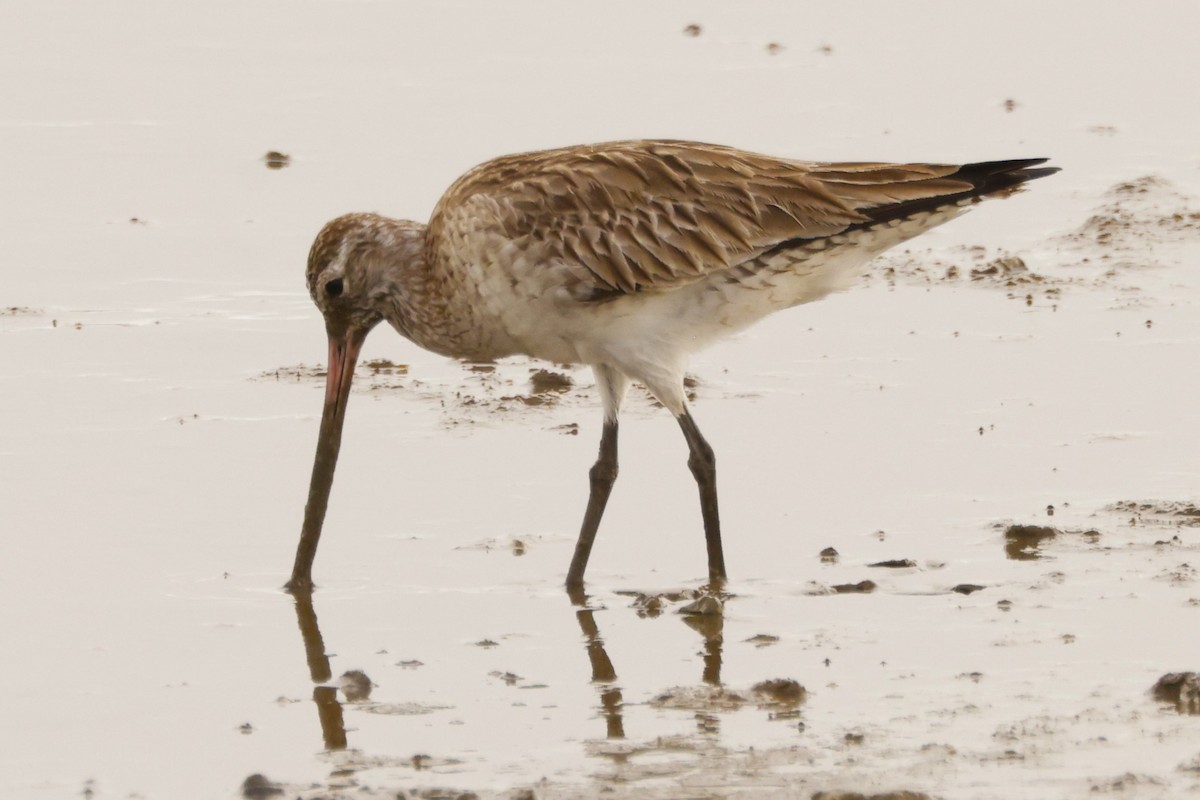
column 1034, row 174
column 987, row 177
column 995, row 167
column 984, row 179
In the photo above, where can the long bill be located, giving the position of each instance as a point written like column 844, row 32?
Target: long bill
column 344, row 348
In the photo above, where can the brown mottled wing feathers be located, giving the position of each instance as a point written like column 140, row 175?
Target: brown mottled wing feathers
column 654, row 214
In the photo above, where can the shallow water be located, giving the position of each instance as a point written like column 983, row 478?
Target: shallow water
column 161, row 400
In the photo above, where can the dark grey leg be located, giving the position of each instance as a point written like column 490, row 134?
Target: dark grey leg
column 704, row 467
column 603, row 475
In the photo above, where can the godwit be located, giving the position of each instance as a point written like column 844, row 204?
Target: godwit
column 627, row 256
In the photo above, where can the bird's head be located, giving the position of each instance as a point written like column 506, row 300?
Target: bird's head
column 352, row 270
column 343, row 271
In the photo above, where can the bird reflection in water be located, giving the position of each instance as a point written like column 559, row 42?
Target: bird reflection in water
column 705, row 616
column 708, row 622
column 329, row 708
column 603, row 672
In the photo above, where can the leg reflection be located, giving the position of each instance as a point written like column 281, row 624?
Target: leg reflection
column 709, row 621
column 329, row 709
column 603, row 672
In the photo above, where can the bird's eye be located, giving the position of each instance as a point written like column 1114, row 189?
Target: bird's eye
column 334, row 287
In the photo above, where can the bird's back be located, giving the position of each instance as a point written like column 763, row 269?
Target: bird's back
column 548, row 250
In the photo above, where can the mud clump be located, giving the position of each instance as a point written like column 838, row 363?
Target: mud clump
column 707, row 606
column 862, row 587
column 653, row 604
column 355, row 685
column 258, row 786
column 1180, row 689
column 1023, row 542
column 895, row 563
column 543, row 381
column 780, row 691
column 829, row 556
column 1006, row 270
column 967, row 588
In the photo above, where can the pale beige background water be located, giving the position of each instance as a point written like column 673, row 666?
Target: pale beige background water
column 152, row 484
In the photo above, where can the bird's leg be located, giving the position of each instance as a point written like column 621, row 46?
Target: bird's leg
column 603, row 475
column 703, row 464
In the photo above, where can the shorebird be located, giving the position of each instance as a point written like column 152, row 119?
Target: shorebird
column 625, row 256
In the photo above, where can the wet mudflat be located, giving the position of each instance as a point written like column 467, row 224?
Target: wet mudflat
column 995, row 434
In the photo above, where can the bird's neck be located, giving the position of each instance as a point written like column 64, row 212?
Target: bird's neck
column 407, row 291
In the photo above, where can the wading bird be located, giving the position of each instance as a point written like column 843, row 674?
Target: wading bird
column 626, row 256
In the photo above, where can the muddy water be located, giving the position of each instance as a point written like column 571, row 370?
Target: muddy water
column 161, row 391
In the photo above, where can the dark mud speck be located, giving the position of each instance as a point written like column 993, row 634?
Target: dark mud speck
column 895, row 563
column 509, row 678
column 862, row 587
column 967, row 588
column 276, row 160
column 763, row 640
column 829, row 555
column 382, row 366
